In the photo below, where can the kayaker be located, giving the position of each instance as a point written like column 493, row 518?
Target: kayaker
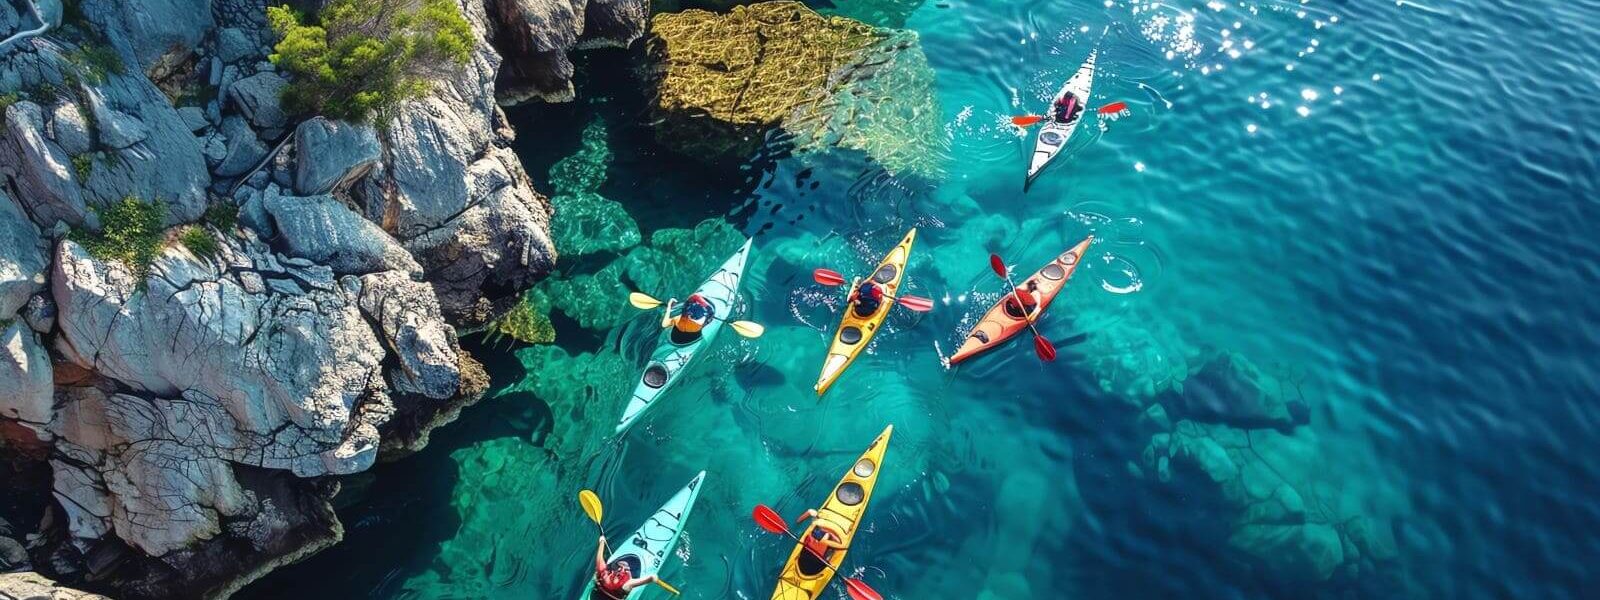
column 823, row 538
column 1066, row 108
column 867, row 298
column 1028, row 294
column 615, row 583
column 697, row 312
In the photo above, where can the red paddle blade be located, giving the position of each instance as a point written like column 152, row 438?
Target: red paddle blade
column 769, row 519
column 1025, row 120
column 860, row 591
column 827, row 277
column 1046, row 350
column 916, row 303
column 1114, row 107
column 998, row 265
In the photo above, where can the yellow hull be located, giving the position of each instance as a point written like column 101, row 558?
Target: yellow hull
column 844, row 515
column 854, row 333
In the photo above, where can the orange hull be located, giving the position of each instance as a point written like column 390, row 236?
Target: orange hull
column 997, row 325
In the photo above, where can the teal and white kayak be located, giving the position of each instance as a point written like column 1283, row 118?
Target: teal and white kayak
column 671, row 357
column 647, row 549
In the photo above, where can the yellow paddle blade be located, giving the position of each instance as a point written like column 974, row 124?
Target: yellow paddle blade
column 668, row 587
column 591, row 505
column 642, row 301
column 749, row 329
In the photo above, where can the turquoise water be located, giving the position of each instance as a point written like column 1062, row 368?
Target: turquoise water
column 1374, row 220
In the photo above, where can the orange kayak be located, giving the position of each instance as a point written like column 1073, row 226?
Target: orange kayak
column 1000, row 324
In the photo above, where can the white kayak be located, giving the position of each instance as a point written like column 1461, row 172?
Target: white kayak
column 647, row 549
column 672, row 354
column 1053, row 134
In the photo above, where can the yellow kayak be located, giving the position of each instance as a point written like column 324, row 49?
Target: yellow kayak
column 804, row 576
column 856, row 332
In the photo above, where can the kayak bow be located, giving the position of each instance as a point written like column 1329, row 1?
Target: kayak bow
column 856, row 332
column 999, row 325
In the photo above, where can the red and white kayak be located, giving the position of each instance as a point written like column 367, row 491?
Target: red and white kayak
column 1000, row 324
column 1053, row 135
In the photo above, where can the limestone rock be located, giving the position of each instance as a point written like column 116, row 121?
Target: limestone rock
column 152, row 28
column 407, row 316
column 244, row 149
column 25, row 379
column 323, row 230
column 457, row 197
column 22, row 258
column 29, row 585
column 291, row 377
column 39, row 169
column 724, row 80
column 234, row 45
column 256, row 97
column 329, row 153
column 69, row 129
column 537, row 34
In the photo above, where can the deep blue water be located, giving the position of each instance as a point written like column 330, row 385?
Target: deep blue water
column 1388, row 208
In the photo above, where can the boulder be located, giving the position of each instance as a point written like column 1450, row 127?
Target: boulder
column 330, row 153
column 234, row 45
column 152, row 28
column 323, row 230
column 407, row 316
column 536, row 34
column 40, row 171
column 194, row 118
column 256, row 97
column 69, row 129
column 26, row 390
column 244, row 150
column 28, row 585
column 151, row 152
column 22, row 258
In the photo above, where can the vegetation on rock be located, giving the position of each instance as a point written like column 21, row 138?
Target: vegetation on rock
column 97, row 61
column 527, row 322
column 198, row 241
column 131, row 232
column 361, row 60
column 83, row 165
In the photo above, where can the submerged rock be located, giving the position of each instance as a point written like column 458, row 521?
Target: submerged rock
column 723, row 81
column 28, row 585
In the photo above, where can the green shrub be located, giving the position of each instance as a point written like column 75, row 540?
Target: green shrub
column 44, row 95
column 83, row 164
column 97, row 61
column 363, row 58
column 7, row 99
column 222, row 215
column 198, row 241
column 131, row 232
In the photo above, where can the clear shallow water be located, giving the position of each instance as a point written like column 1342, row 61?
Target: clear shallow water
column 1410, row 254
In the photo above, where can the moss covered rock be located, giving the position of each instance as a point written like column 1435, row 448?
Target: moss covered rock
column 723, row 81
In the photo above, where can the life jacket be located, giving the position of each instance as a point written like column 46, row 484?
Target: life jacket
column 696, row 313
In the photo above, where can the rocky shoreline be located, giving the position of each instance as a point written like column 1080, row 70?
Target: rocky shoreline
column 298, row 318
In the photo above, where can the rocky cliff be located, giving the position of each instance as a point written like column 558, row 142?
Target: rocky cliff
column 210, row 308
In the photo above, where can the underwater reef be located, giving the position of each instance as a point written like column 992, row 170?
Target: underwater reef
column 724, row 81
column 1241, row 443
